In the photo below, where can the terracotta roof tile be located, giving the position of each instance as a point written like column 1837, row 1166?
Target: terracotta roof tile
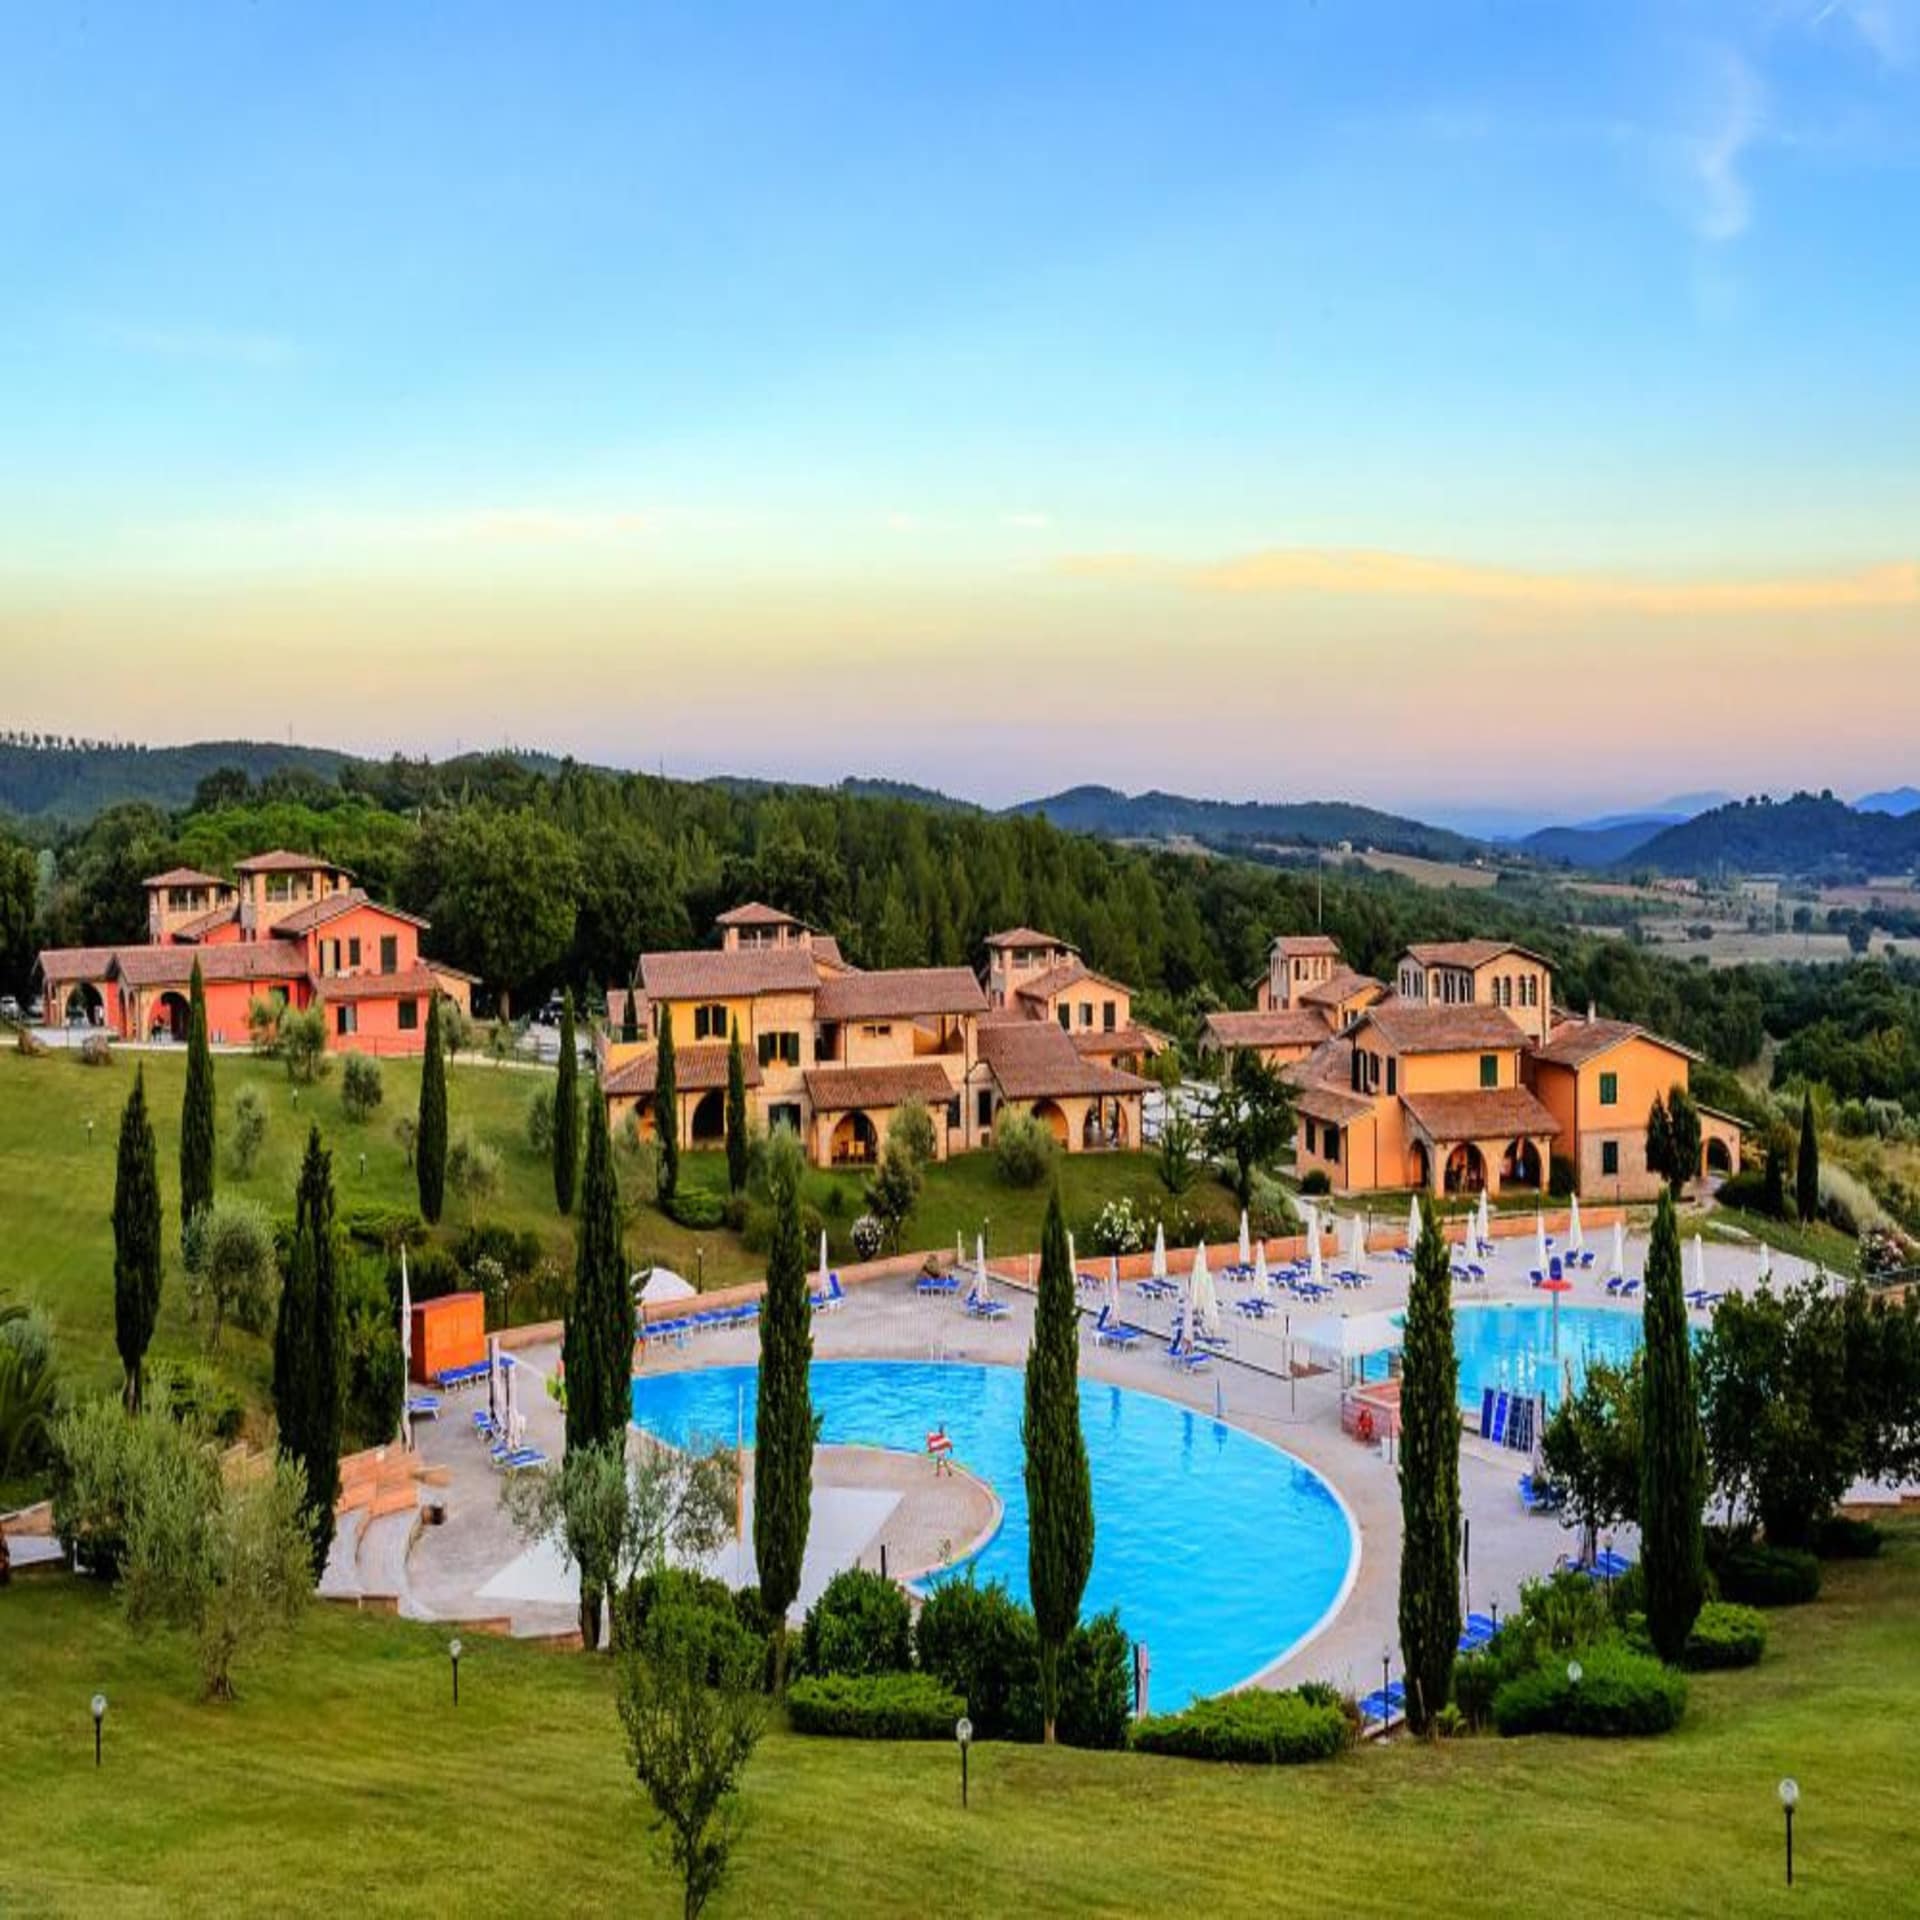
column 1469, row 953
column 1305, row 945
column 173, row 966
column 839, row 1089
column 1481, row 1113
column 696, row 1069
column 754, row 913
column 1132, row 1038
column 1574, row 1042
column 318, row 912
column 187, row 877
column 199, row 928
column 1282, row 1027
column 826, row 949
column 376, row 986
column 75, row 963
column 279, row 860
column 1409, row 1027
column 698, row 973
column 1034, row 1060
column 1346, row 984
column 1028, row 937
column 1332, row 1103
column 1069, row 973
column 898, row 993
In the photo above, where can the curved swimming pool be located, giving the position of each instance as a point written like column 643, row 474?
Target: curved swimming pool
column 1512, row 1346
column 1219, row 1550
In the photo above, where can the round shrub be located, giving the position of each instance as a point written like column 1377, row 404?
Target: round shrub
column 1725, row 1635
column 1620, row 1693
column 635, row 1603
column 698, row 1208
column 860, row 1624
column 1315, row 1181
column 1254, row 1728
column 979, row 1642
column 1022, row 1149
column 1760, row 1576
column 873, row 1706
column 1839, row 1538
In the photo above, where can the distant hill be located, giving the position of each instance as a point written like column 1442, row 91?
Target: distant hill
column 868, row 789
column 1597, row 843
column 74, row 783
column 1807, row 834
column 1898, row 801
column 1316, row 823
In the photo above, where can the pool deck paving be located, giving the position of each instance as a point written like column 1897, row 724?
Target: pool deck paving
column 451, row 1565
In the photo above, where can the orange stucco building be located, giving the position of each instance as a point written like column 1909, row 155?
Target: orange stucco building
column 288, row 925
column 834, row 1052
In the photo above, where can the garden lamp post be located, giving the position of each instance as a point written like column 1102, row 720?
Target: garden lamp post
column 89, row 1132
column 453, row 1654
column 963, row 1733
column 1386, row 1681
column 1789, row 1799
column 100, row 1714
column 1575, row 1674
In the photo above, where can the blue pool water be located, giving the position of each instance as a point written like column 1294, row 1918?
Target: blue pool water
column 1219, row 1550
column 1512, row 1347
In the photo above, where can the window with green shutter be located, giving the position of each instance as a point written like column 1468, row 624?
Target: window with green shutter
column 1609, row 1089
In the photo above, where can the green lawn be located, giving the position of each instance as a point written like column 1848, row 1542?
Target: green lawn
column 342, row 1777
column 56, row 1194
column 1823, row 1245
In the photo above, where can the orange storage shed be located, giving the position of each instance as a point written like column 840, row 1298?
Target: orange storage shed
column 448, row 1332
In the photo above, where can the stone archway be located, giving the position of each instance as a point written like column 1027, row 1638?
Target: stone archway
column 1520, row 1164
column 1466, row 1169
column 707, row 1127
column 1719, row 1155
column 1419, row 1167
column 169, row 1016
column 84, row 1007
column 854, row 1142
column 1050, row 1116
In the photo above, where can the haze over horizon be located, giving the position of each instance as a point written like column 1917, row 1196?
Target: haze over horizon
column 1435, row 408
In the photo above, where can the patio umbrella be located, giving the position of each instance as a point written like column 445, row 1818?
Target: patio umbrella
column 1316, row 1273
column 1357, row 1245
column 1483, row 1230
column 1261, row 1278
column 980, row 1261
column 406, row 1350
column 1576, row 1240
column 1073, row 1259
column 1159, row 1253
column 823, row 1259
column 1760, row 1279
column 1246, row 1242
column 1699, row 1265
column 493, row 1375
column 1413, row 1223
column 1186, row 1317
column 1618, row 1269
column 1540, row 1241
column 1202, row 1298
column 1113, row 1288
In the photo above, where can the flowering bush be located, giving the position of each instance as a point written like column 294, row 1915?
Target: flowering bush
column 1117, row 1228
column 867, row 1235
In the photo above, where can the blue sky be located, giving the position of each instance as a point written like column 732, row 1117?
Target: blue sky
column 793, row 359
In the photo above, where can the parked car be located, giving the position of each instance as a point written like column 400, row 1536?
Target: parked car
column 9, row 1007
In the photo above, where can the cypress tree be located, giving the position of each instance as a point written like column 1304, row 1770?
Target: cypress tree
column 597, row 1349
column 1806, row 1172
column 1429, row 1480
column 196, row 1111
column 736, row 1113
column 308, row 1347
column 1673, row 1475
column 630, row 1020
column 1059, row 1484
column 566, row 1113
column 136, row 1241
column 666, row 1109
column 783, row 1411
column 430, row 1143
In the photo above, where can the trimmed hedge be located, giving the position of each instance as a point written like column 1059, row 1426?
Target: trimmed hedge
column 1254, row 1728
column 1760, row 1576
column 860, row 1624
column 698, row 1208
column 874, row 1706
column 1726, row 1635
column 1620, row 1693
column 1838, row 1537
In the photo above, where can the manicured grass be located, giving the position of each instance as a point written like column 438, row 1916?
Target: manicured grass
column 1821, row 1244
column 56, row 1235
column 343, row 1778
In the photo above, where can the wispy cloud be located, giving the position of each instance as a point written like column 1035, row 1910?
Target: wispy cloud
column 1716, row 149
column 1033, row 522
column 213, row 344
column 1890, row 28
column 1365, row 573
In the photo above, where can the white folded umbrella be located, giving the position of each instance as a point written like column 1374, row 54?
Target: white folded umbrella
column 1073, row 1259
column 1159, row 1253
column 1576, row 1240
column 1261, row 1278
column 1246, row 1242
column 1619, row 1266
column 1699, row 1264
column 1413, row 1223
column 1484, row 1231
column 1766, row 1265
column 1357, row 1245
column 1200, row 1291
column 1540, row 1241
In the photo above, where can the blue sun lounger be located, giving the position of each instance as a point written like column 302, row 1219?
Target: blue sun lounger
column 979, row 1307
column 1538, row 1496
column 423, row 1406
column 1108, row 1332
column 520, row 1459
column 1188, row 1359
column 933, row 1284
